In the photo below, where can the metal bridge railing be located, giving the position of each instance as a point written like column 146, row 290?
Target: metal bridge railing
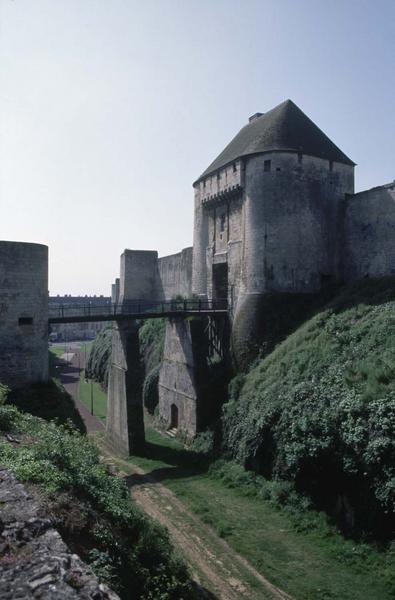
column 137, row 308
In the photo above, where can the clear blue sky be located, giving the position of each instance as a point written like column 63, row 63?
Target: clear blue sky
column 110, row 109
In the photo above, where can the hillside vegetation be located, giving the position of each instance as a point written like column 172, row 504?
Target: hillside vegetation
column 92, row 509
column 151, row 338
column 99, row 358
column 319, row 411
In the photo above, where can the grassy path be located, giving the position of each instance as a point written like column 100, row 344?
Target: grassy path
column 213, row 563
column 241, row 538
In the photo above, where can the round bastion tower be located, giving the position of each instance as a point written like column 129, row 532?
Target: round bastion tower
column 267, row 219
column 23, row 313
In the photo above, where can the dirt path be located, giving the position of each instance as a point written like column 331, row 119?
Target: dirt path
column 70, row 379
column 213, row 563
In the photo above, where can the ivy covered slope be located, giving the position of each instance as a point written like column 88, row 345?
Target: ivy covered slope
column 319, row 411
column 92, row 509
column 152, row 339
column 99, row 358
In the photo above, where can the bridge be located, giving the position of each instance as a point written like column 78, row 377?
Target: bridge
column 135, row 309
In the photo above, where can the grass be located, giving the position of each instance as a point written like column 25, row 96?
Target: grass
column 316, row 564
column 57, row 350
column 99, row 397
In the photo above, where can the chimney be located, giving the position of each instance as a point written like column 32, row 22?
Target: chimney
column 255, row 116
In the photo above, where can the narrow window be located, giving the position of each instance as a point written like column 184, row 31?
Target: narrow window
column 267, row 165
column 234, row 168
column 331, row 165
column 25, row 320
column 222, row 223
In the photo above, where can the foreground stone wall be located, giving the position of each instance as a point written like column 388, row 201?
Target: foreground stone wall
column 34, row 560
column 23, row 313
column 369, row 233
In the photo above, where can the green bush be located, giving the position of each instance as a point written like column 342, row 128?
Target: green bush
column 319, row 411
column 150, row 390
column 4, row 391
column 203, row 444
column 99, row 358
column 152, row 341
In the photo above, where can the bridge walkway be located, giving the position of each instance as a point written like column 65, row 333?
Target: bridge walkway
column 136, row 309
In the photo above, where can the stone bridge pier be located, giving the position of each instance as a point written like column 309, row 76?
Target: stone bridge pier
column 188, row 395
column 125, row 420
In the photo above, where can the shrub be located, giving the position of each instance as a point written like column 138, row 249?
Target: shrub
column 319, row 411
column 150, row 390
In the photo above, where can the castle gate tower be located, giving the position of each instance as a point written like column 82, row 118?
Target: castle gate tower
column 266, row 218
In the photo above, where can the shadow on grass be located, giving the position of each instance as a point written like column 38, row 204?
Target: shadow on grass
column 161, row 474
column 182, row 463
column 48, row 401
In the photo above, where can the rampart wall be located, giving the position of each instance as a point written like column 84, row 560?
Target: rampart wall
column 369, row 233
column 175, row 275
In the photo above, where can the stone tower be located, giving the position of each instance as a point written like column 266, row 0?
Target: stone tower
column 266, row 217
column 23, row 313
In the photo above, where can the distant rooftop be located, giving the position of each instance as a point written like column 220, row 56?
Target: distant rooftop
column 285, row 127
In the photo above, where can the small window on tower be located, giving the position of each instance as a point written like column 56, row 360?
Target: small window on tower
column 331, row 165
column 25, row 320
column 234, row 168
column 222, row 223
column 267, row 165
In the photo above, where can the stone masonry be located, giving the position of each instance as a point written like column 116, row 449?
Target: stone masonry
column 34, row 560
column 23, row 313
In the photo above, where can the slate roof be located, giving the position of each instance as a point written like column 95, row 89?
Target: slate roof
column 285, row 127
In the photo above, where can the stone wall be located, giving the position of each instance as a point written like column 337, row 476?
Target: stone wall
column 23, row 313
column 175, row 275
column 125, row 424
column 369, row 233
column 214, row 201
column 34, row 560
column 115, row 291
column 138, row 278
column 177, row 378
column 291, row 213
